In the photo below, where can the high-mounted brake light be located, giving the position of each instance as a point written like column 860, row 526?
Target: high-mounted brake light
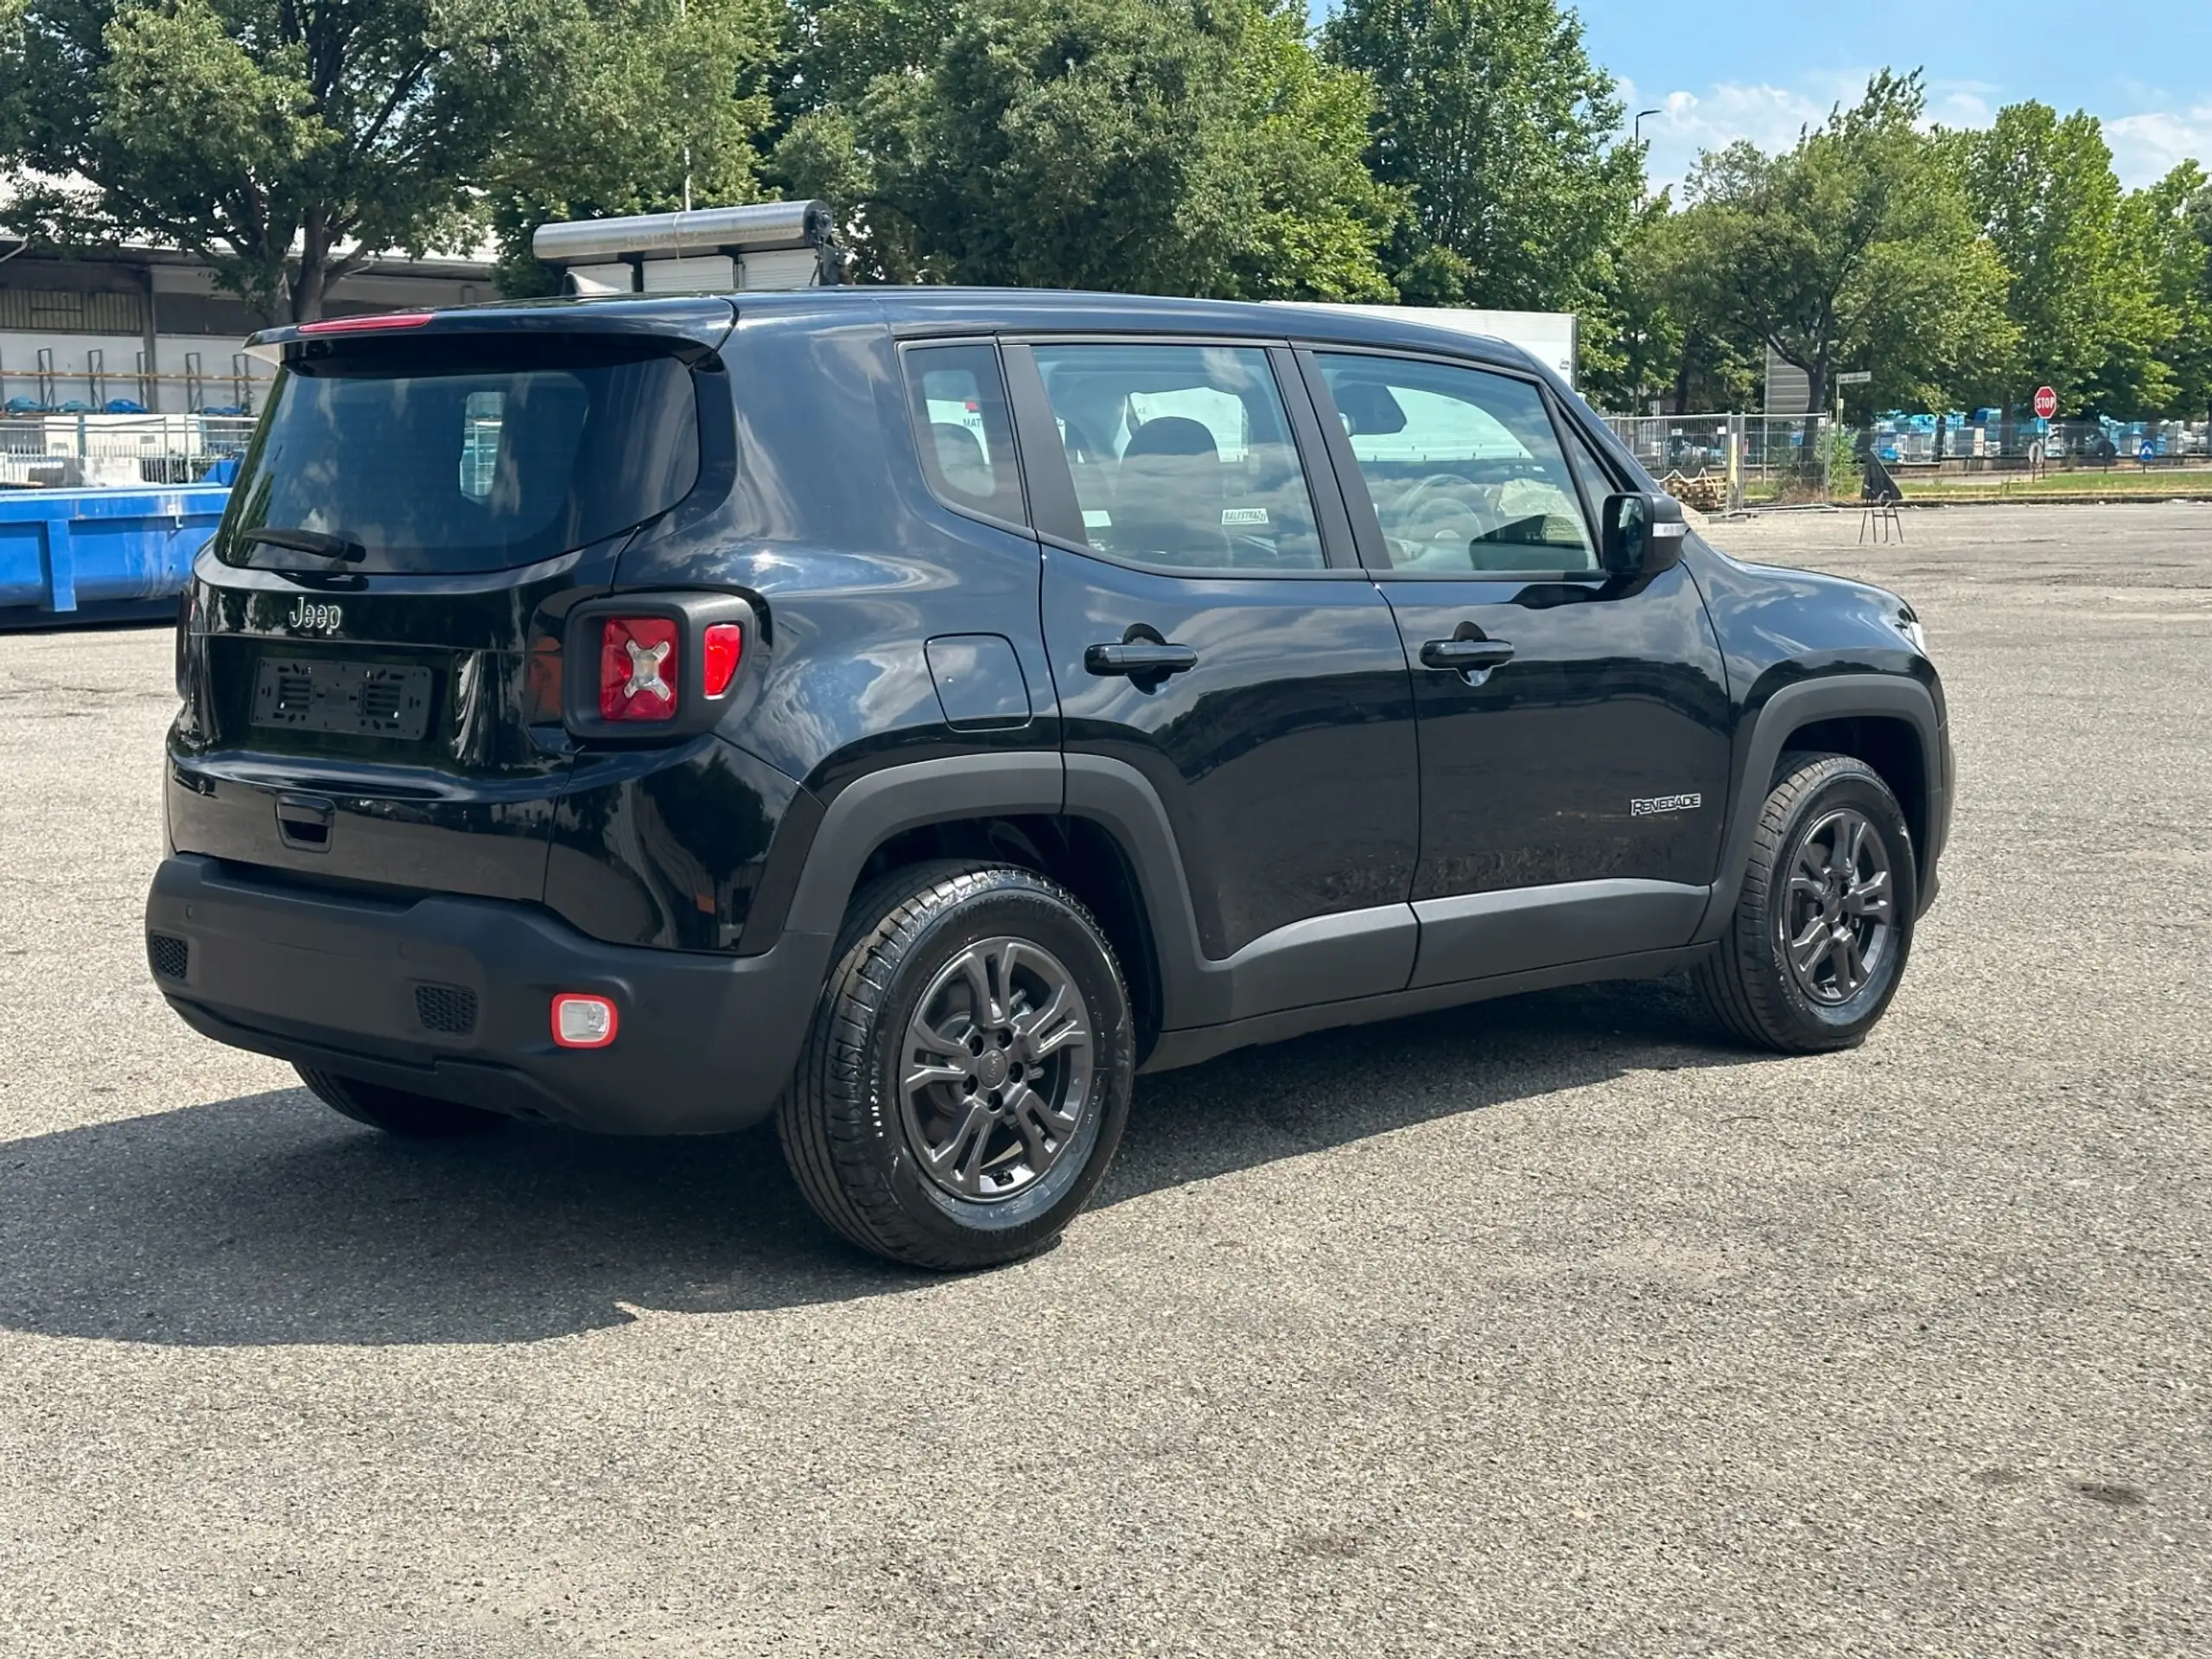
column 725, row 648
column 366, row 325
column 637, row 668
column 581, row 1021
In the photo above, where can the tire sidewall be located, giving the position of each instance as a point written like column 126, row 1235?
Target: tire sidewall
column 1852, row 784
column 1025, row 909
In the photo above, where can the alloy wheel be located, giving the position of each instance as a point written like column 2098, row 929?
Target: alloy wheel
column 996, row 1070
column 1839, row 923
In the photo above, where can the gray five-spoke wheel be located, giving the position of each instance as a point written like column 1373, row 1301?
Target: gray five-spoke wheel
column 1840, row 921
column 995, row 1071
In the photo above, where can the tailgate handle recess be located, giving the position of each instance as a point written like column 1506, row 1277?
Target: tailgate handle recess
column 304, row 822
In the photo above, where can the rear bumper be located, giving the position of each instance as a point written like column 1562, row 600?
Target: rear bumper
column 329, row 980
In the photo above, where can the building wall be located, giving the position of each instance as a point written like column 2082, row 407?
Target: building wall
column 154, row 318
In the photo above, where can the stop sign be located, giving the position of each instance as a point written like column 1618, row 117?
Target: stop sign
column 2046, row 402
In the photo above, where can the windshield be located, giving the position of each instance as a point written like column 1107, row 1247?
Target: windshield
column 467, row 463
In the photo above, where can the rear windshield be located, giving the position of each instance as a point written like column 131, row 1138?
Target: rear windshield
column 473, row 462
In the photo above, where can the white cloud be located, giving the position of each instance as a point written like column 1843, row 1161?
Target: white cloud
column 2145, row 148
column 1963, row 102
column 1689, row 123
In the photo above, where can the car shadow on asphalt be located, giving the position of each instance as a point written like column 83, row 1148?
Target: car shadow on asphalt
column 268, row 1220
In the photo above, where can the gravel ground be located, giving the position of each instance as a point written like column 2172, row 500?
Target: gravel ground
column 1554, row 1325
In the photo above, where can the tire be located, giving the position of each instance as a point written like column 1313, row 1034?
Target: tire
column 1839, row 987
column 981, row 1160
column 416, row 1117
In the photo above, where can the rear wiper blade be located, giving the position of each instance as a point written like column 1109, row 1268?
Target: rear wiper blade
column 309, row 541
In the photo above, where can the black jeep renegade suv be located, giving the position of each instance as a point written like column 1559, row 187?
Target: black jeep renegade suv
column 911, row 713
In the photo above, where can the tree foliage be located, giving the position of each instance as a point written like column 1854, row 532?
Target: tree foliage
column 1669, row 345
column 281, row 140
column 1856, row 249
column 2165, row 241
column 288, row 140
column 1440, row 152
column 635, row 108
column 1157, row 146
column 1491, row 118
column 2042, row 188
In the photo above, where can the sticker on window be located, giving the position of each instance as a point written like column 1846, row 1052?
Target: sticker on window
column 1098, row 519
column 1243, row 515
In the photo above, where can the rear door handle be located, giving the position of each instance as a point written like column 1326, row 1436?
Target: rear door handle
column 1139, row 659
column 1466, row 655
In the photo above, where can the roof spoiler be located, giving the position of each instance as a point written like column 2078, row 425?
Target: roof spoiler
column 764, row 244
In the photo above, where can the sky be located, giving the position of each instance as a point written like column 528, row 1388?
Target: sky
column 1729, row 69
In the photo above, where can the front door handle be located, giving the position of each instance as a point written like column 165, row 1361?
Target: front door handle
column 1467, row 655
column 1140, row 659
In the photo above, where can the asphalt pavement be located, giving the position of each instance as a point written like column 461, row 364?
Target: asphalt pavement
column 1556, row 1324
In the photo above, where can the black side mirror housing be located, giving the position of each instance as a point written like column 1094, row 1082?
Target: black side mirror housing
column 1642, row 533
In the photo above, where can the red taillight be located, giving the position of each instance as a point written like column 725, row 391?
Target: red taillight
column 637, row 668
column 584, row 1021
column 725, row 649
column 367, row 325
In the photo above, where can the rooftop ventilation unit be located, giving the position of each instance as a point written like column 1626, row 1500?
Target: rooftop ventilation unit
column 714, row 250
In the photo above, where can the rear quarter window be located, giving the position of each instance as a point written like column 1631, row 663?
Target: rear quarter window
column 956, row 398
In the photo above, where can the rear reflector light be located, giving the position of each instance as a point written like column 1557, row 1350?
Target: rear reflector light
column 725, row 647
column 637, row 668
column 366, row 325
column 583, row 1021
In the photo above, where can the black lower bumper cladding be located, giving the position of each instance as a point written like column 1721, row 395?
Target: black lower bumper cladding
column 451, row 997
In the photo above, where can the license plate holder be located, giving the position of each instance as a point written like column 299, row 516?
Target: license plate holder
column 351, row 699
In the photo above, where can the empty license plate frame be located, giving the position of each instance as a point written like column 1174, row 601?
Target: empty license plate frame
column 305, row 694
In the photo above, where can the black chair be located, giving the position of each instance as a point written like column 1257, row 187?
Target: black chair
column 1879, row 496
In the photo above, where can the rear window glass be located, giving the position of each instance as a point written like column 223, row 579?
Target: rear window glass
column 461, row 465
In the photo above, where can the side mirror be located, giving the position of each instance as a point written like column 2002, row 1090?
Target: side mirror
column 1641, row 533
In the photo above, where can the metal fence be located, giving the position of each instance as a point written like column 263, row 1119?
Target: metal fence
column 1746, row 457
column 1991, row 441
column 69, row 450
column 1733, row 459
column 116, row 449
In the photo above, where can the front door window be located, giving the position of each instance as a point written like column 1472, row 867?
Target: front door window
column 1464, row 467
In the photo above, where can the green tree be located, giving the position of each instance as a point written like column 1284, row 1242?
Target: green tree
column 636, row 108
column 1668, row 343
column 283, row 140
column 2042, row 188
column 834, row 48
column 2164, row 237
column 1155, row 146
column 1855, row 248
column 1491, row 116
column 288, row 141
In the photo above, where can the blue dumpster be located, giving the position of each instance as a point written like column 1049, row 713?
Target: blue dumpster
column 69, row 556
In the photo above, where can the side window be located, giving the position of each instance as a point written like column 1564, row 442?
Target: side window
column 1464, row 467
column 957, row 398
column 1182, row 456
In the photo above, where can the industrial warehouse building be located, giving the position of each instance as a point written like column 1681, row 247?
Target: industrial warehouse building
column 146, row 329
